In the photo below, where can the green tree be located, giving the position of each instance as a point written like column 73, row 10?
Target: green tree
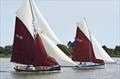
column 67, row 51
column 1, row 50
column 117, row 48
column 70, row 44
column 112, row 52
column 8, row 49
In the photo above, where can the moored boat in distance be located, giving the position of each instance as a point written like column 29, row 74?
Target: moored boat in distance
column 87, row 51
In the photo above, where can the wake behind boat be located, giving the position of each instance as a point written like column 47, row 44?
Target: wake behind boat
column 87, row 50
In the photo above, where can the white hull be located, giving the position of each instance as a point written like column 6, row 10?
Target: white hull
column 92, row 66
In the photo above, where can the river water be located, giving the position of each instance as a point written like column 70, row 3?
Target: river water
column 112, row 71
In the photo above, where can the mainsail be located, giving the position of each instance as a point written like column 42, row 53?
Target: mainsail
column 86, row 48
column 23, row 47
column 28, row 47
column 82, row 48
column 23, row 37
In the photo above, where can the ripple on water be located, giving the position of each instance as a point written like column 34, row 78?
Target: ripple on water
column 110, row 72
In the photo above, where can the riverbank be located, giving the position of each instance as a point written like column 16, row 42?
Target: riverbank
column 115, row 56
column 5, row 55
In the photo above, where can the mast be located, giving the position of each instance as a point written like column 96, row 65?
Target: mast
column 90, row 45
column 33, row 20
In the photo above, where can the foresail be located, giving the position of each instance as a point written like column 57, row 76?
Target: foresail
column 55, row 52
column 100, row 53
column 43, row 25
column 41, row 57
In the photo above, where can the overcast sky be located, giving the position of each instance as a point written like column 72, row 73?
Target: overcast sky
column 103, row 19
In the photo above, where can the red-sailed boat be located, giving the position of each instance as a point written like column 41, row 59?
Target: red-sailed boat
column 87, row 50
column 33, row 49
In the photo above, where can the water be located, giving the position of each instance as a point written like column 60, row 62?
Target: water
column 112, row 71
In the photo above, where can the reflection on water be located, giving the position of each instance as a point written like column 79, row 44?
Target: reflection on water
column 32, row 75
column 110, row 72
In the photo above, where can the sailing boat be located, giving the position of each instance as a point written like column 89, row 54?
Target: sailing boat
column 33, row 50
column 87, row 50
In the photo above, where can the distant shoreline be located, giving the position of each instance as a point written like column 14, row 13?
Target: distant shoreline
column 9, row 55
column 5, row 55
column 5, row 52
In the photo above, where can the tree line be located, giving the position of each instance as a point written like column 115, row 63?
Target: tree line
column 67, row 49
column 6, row 50
column 114, row 52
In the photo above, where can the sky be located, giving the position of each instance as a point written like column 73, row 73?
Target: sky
column 103, row 19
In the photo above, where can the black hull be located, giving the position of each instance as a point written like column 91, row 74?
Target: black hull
column 50, row 70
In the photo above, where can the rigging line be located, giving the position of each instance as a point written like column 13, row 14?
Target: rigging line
column 31, row 9
column 33, row 20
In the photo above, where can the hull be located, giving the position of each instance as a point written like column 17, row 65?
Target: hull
column 33, row 69
column 101, row 66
